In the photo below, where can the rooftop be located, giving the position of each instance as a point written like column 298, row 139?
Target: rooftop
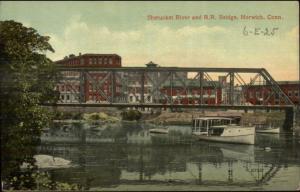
column 72, row 56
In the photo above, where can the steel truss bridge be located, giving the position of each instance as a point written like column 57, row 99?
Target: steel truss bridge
column 114, row 86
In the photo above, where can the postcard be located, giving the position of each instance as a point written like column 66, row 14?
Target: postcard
column 150, row 96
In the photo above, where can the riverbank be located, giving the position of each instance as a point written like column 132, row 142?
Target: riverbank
column 185, row 118
column 109, row 115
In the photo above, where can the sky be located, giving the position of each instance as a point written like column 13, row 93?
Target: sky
column 123, row 28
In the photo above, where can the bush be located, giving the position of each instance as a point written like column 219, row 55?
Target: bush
column 131, row 115
column 77, row 116
column 58, row 115
column 94, row 117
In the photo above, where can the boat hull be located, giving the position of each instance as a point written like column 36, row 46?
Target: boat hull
column 234, row 135
column 242, row 139
column 273, row 131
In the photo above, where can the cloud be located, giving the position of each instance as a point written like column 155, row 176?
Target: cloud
column 26, row 24
column 78, row 36
column 189, row 30
column 193, row 46
column 151, row 39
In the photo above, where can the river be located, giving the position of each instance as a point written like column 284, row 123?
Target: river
column 126, row 156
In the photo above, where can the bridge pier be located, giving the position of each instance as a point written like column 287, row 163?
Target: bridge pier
column 296, row 121
column 290, row 119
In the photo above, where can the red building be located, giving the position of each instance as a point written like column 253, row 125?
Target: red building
column 91, row 60
column 257, row 93
column 70, row 90
column 191, row 94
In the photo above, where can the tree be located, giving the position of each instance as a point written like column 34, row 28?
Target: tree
column 28, row 78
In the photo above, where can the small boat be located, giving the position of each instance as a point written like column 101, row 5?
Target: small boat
column 159, row 131
column 45, row 129
column 221, row 129
column 264, row 128
column 271, row 130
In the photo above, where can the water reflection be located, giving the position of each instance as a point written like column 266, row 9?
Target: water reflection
column 127, row 154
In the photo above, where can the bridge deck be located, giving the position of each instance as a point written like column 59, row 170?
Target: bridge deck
column 153, row 105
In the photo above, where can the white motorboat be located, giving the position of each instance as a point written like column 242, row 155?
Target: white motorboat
column 221, row 129
column 264, row 128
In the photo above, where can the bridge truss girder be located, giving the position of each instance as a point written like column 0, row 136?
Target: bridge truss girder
column 116, row 84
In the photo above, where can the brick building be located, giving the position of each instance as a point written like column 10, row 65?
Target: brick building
column 91, row 60
column 212, row 92
column 69, row 89
column 256, row 93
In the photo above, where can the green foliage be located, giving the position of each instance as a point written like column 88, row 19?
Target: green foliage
column 28, row 78
column 42, row 181
column 131, row 115
column 58, row 115
column 77, row 116
column 94, row 117
column 100, row 116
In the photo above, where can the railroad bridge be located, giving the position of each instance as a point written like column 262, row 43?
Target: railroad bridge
column 173, row 87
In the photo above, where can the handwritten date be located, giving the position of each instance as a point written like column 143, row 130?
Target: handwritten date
column 263, row 31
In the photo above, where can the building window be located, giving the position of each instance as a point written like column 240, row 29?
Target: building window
column 90, row 61
column 68, row 97
column 94, row 60
column 82, row 61
column 62, row 97
column 257, row 94
column 250, row 95
column 110, row 61
column 130, row 98
column 105, row 61
column 296, row 93
column 290, row 93
column 100, row 60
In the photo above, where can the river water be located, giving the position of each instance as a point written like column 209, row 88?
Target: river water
column 127, row 157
